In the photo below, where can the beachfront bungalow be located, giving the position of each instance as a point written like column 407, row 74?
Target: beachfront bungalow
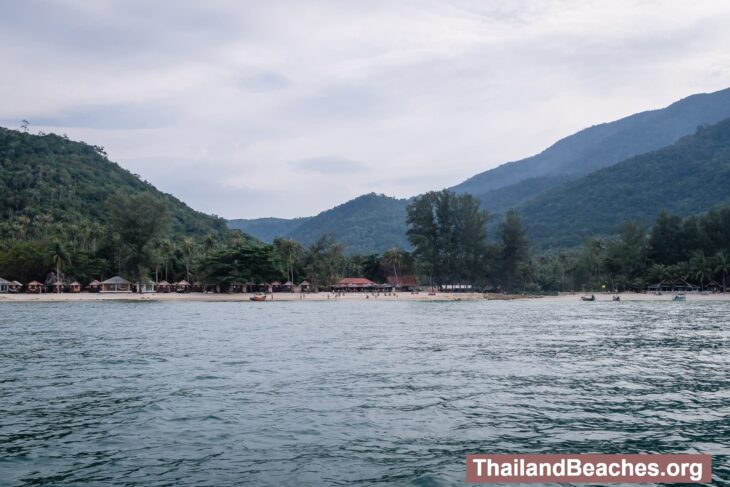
column 198, row 287
column 305, row 286
column 4, row 285
column 457, row 288
column 75, row 287
column 236, row 287
column 276, row 287
column 145, row 286
column 663, row 286
column 673, row 286
column 287, row 287
column 94, row 286
column 116, row 285
column 57, row 286
column 714, row 287
column 355, row 285
column 182, row 286
column 35, row 287
column 403, row 283
column 163, row 287
column 15, row 287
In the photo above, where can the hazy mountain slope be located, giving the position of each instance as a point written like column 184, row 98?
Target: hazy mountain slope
column 63, row 181
column 502, row 199
column 516, row 184
column 267, row 229
column 602, row 145
column 691, row 176
column 369, row 223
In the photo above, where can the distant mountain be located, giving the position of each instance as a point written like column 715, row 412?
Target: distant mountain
column 499, row 200
column 267, row 229
column 369, row 223
column 690, row 176
column 48, row 179
column 515, row 184
column 596, row 147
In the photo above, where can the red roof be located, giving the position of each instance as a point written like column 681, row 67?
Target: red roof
column 402, row 281
column 356, row 281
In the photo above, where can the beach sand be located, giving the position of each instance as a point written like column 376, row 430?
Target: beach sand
column 402, row 296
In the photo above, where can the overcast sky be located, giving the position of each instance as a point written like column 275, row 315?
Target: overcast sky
column 268, row 108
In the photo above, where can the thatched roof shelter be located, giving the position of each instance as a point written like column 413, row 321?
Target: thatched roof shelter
column 116, row 284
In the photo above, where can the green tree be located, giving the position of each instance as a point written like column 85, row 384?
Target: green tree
column 513, row 247
column 701, row 268
column 448, row 232
column 241, row 263
column 137, row 220
column 392, row 258
column 321, row 261
column 188, row 250
column 722, row 266
column 59, row 258
column 290, row 251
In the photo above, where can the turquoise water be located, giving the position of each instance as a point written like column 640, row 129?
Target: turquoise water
column 337, row 393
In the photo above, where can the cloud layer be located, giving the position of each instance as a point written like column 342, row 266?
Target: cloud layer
column 286, row 108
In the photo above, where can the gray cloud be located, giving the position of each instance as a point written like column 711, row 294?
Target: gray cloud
column 328, row 165
column 240, row 108
column 113, row 117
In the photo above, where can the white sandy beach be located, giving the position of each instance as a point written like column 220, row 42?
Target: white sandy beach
column 323, row 296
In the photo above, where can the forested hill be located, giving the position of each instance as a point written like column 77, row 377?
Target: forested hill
column 370, row 223
column 48, row 180
column 690, row 176
column 608, row 143
column 267, row 229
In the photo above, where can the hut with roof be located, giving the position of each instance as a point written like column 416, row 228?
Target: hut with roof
column 163, row 287
column 673, row 286
column 198, row 287
column 304, row 287
column 182, row 286
column 4, row 285
column 35, row 287
column 74, row 287
column 116, row 285
column 145, row 285
column 355, row 285
column 714, row 287
column 57, row 286
column 15, row 287
column 287, row 287
column 275, row 286
column 94, row 286
column 403, row 283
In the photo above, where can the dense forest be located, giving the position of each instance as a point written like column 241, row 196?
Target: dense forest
column 688, row 177
column 369, row 223
column 67, row 211
column 65, row 201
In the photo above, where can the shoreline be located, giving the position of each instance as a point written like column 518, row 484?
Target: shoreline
column 326, row 296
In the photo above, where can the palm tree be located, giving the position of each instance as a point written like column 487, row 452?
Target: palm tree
column 59, row 258
column 167, row 248
column 290, row 249
column 723, row 265
column 701, row 268
column 392, row 258
column 188, row 248
column 209, row 243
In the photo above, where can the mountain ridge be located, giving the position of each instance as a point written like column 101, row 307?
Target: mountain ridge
column 688, row 177
column 589, row 149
